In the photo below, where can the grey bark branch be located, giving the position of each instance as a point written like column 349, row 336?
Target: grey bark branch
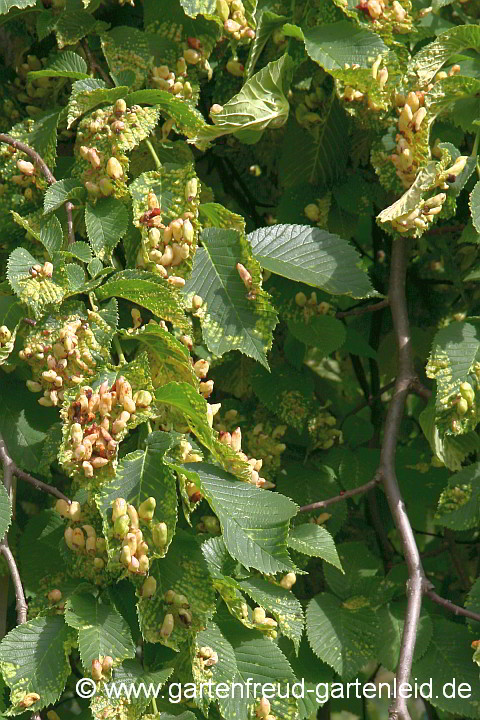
column 17, row 583
column 405, row 379
column 362, row 310
column 342, row 496
column 451, row 607
column 10, row 470
column 47, row 173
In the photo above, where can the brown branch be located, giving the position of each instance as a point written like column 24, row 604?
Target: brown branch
column 39, row 485
column 363, row 309
column 455, row 609
column 95, row 67
column 11, row 469
column 17, row 583
column 47, row 173
column 344, row 495
column 417, row 583
column 419, row 389
column 442, row 229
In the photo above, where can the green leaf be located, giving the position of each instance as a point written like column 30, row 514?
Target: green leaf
column 184, row 571
column 391, row 619
column 324, row 332
column 428, row 61
column 87, row 94
column 319, row 155
column 5, row 512
column 459, row 96
column 147, row 290
column 260, row 104
column 127, row 48
column 43, row 136
column 229, row 319
column 315, row 541
column 475, row 205
column 189, row 119
column 359, row 567
column 459, row 504
column 37, row 292
column 256, row 535
column 267, row 23
column 453, row 361
column 197, row 7
column 39, row 547
column 68, row 65
column 335, row 44
column 285, row 392
column 106, row 223
column 101, row 630
column 410, row 199
column 140, row 475
column 449, row 658
column 258, row 661
column 169, row 358
column 80, row 250
column 34, row 659
column 131, row 672
column 345, row 635
column 311, row 256
column 221, row 566
column 450, row 449
column 51, row 235
column 6, row 5
column 221, row 672
column 73, row 25
column 281, row 603
column 59, row 192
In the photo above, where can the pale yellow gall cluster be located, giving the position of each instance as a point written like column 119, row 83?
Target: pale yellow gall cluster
column 173, row 81
column 98, row 418
column 234, row 441
column 60, row 359
column 134, row 550
column 179, row 613
column 102, row 668
column 235, row 24
column 310, row 306
column 169, row 246
column 5, row 336
column 387, row 14
column 81, row 538
column 209, row 524
column 207, row 656
column 105, row 169
column 259, row 617
column 263, row 710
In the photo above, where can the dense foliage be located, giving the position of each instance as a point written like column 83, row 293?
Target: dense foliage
column 218, row 219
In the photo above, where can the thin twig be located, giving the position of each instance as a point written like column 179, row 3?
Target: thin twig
column 443, row 229
column 11, row 469
column 455, row 609
column 95, row 67
column 39, row 485
column 362, row 310
column 49, row 176
column 344, row 495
